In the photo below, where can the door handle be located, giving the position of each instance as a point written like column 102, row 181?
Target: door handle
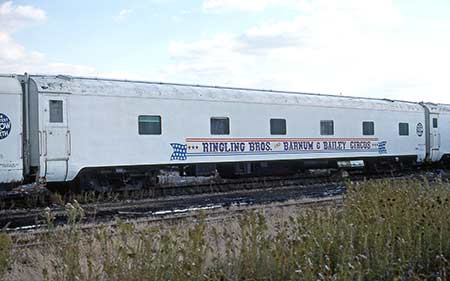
column 21, row 146
column 45, row 140
column 40, row 143
column 69, row 142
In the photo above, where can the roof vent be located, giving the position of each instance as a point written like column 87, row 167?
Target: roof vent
column 64, row 77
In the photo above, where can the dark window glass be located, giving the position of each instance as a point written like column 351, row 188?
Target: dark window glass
column 435, row 122
column 403, row 129
column 149, row 125
column 220, row 126
column 56, row 111
column 327, row 127
column 278, row 126
column 368, row 128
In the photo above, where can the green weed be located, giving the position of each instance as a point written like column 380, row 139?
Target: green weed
column 385, row 230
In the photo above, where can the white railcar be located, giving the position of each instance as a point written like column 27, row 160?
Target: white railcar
column 438, row 129
column 77, row 124
column 11, row 163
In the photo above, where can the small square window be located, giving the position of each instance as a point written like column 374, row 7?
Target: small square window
column 278, row 126
column 327, row 127
column 403, row 129
column 220, row 126
column 435, row 122
column 56, row 111
column 368, row 128
column 149, row 125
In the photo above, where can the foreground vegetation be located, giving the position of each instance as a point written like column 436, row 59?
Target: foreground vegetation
column 390, row 230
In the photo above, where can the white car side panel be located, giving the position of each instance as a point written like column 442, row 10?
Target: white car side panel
column 104, row 130
column 442, row 112
column 444, row 131
column 11, row 164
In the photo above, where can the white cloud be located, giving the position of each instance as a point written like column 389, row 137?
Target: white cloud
column 11, row 51
column 222, row 5
column 249, row 5
column 15, row 58
column 72, row 69
column 123, row 15
column 357, row 47
column 15, row 17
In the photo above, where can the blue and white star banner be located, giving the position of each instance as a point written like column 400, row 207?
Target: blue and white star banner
column 179, row 151
column 382, row 147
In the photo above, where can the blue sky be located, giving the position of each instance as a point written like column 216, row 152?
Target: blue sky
column 393, row 49
column 93, row 32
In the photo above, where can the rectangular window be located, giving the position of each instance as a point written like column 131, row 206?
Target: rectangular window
column 278, row 126
column 220, row 126
column 149, row 125
column 403, row 129
column 368, row 128
column 56, row 111
column 327, row 127
column 435, row 122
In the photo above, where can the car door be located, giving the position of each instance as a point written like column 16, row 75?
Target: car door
column 54, row 137
column 435, row 137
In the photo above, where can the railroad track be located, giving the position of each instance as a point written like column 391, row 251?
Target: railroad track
column 245, row 193
column 32, row 196
column 26, row 220
column 27, row 240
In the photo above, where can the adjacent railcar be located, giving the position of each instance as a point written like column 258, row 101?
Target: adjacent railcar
column 11, row 130
column 101, row 131
column 438, row 131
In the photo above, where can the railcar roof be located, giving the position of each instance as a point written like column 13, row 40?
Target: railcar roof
column 438, row 107
column 8, row 85
column 112, row 87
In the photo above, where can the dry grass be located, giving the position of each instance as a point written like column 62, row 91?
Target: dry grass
column 390, row 230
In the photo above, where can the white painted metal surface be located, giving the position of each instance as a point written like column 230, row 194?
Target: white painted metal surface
column 11, row 165
column 435, row 137
column 150, row 90
column 103, row 125
column 100, row 126
column 440, row 136
column 55, row 139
